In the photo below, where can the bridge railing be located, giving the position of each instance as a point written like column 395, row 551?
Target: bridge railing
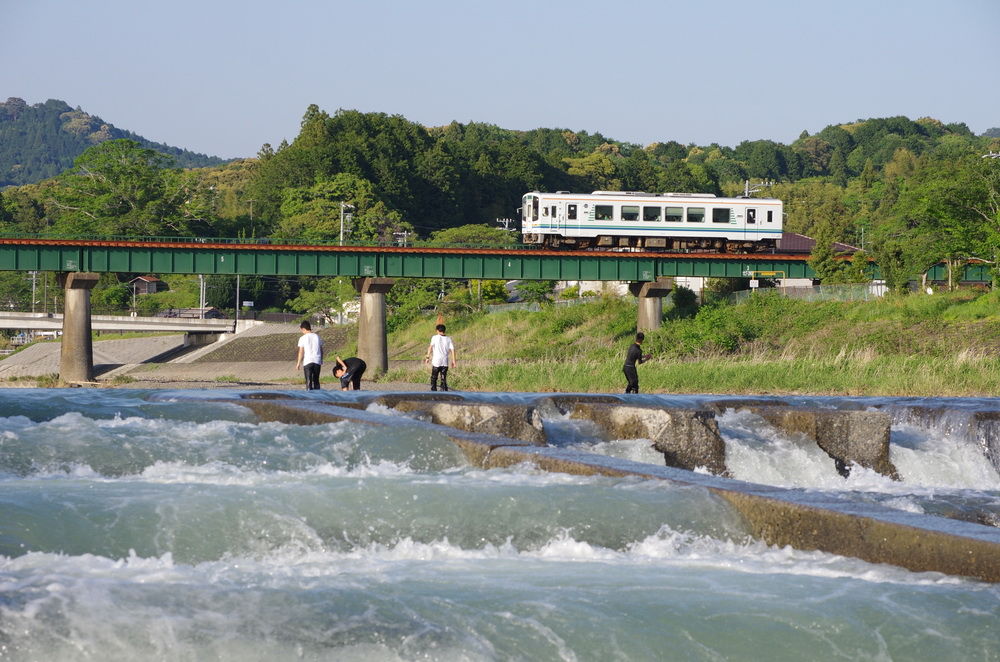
column 253, row 241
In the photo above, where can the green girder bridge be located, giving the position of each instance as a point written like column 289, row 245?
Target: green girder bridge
column 266, row 258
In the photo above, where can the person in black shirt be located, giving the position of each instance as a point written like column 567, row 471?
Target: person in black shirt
column 633, row 357
column 349, row 372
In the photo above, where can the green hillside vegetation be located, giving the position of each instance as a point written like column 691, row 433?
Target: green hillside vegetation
column 942, row 345
column 41, row 140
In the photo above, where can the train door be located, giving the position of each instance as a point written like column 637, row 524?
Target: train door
column 559, row 215
column 751, row 229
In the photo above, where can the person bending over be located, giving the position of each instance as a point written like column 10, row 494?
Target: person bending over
column 349, row 372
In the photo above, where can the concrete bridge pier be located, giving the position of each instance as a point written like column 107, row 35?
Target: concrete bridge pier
column 373, row 347
column 650, row 295
column 76, row 360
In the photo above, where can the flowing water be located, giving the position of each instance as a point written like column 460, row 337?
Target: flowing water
column 142, row 526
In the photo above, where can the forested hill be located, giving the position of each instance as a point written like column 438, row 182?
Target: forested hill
column 42, row 140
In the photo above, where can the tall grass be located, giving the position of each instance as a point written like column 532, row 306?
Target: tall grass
column 944, row 344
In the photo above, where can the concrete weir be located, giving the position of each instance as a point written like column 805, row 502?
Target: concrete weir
column 777, row 516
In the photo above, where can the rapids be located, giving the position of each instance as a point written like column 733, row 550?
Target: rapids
column 172, row 526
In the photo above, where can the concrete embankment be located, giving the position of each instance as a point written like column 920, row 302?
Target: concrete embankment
column 804, row 520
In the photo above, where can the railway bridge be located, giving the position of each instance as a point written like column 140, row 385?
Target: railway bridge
column 373, row 268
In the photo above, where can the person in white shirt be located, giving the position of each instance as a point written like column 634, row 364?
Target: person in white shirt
column 440, row 354
column 310, row 356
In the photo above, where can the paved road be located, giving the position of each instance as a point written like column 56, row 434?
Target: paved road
column 42, row 358
column 136, row 359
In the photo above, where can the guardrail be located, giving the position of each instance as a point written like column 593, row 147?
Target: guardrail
column 54, row 322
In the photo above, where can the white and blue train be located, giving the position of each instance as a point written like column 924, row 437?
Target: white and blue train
column 622, row 220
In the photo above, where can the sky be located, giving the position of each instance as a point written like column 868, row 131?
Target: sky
column 223, row 77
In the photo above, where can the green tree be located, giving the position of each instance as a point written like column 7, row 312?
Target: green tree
column 596, row 169
column 326, row 298
column 120, row 188
column 536, row 291
column 473, row 235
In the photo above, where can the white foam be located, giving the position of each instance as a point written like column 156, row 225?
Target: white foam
column 666, row 548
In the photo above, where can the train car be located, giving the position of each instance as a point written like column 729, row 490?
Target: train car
column 623, row 220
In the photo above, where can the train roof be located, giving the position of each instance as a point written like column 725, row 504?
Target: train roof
column 645, row 194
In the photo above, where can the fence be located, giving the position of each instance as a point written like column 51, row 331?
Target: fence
column 534, row 307
column 849, row 292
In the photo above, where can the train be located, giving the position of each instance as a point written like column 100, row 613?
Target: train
column 635, row 220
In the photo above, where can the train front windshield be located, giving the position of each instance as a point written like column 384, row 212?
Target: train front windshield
column 529, row 209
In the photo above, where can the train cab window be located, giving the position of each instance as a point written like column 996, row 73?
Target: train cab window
column 751, row 216
column 571, row 212
column 604, row 212
column 651, row 213
column 696, row 214
column 630, row 212
column 675, row 214
column 721, row 214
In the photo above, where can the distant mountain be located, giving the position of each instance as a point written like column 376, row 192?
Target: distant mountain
column 41, row 141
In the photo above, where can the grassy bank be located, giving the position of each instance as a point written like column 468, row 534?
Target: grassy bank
column 940, row 345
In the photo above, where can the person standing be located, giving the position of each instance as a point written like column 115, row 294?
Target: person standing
column 310, row 357
column 440, row 353
column 633, row 357
column 349, row 372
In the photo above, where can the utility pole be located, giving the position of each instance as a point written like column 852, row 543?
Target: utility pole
column 201, row 296
column 34, row 285
column 343, row 206
column 756, row 188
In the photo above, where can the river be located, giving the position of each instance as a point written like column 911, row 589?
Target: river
column 142, row 525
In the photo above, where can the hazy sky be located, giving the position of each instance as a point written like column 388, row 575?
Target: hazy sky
column 225, row 76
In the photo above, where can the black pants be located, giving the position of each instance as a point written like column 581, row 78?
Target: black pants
column 439, row 370
column 355, row 378
column 312, row 376
column 632, row 375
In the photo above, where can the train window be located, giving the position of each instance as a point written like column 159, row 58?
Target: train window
column 534, row 208
column 545, row 211
column 770, row 216
column 651, row 213
column 604, row 212
column 675, row 214
column 751, row 216
column 571, row 212
column 630, row 212
column 696, row 214
column 553, row 211
column 720, row 214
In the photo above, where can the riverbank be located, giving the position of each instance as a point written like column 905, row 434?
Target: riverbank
column 945, row 345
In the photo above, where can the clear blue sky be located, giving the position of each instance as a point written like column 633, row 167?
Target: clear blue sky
column 225, row 76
